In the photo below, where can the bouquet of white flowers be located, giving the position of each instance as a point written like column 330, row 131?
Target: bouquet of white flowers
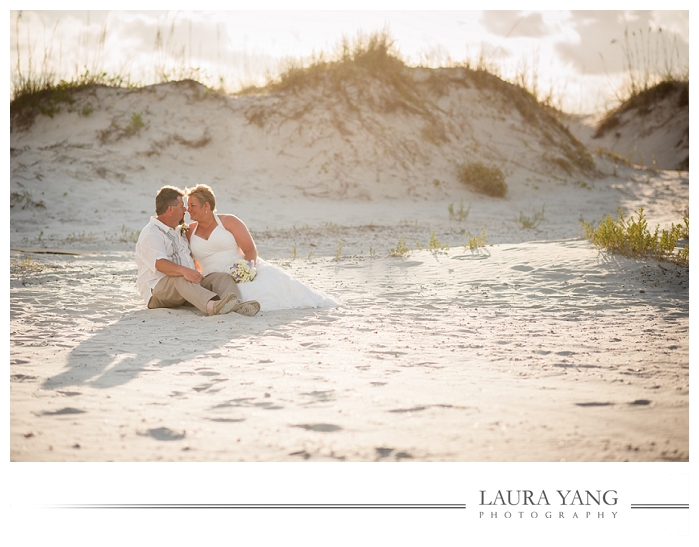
column 243, row 271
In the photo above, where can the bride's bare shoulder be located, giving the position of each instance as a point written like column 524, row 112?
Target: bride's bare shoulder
column 230, row 220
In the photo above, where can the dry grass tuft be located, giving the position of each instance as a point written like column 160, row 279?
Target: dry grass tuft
column 25, row 200
column 483, row 179
column 372, row 55
column 24, row 266
column 366, row 71
column 117, row 132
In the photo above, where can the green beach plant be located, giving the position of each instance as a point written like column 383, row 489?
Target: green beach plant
column 459, row 214
column 81, row 237
column 401, row 249
column 476, row 241
column 531, row 222
column 25, row 265
column 436, row 245
column 338, row 251
column 631, row 237
column 125, row 236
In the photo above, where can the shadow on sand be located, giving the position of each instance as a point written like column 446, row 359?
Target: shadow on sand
column 153, row 339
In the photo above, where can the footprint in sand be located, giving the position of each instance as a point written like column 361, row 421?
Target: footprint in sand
column 67, row 410
column 414, row 409
column 163, row 434
column 323, row 428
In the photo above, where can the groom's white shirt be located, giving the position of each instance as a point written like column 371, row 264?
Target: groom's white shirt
column 157, row 241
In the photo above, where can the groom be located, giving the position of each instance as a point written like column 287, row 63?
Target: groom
column 167, row 276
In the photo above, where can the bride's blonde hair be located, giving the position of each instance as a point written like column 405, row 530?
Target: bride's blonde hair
column 204, row 194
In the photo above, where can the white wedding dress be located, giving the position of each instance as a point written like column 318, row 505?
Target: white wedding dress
column 272, row 287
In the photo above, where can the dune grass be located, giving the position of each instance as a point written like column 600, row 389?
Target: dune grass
column 484, row 179
column 651, row 60
column 34, row 95
column 365, row 71
column 643, row 102
column 373, row 53
column 36, row 89
column 631, row 237
column 654, row 72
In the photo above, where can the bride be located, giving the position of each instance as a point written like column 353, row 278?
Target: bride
column 219, row 241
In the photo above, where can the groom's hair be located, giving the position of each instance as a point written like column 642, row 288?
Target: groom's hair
column 166, row 197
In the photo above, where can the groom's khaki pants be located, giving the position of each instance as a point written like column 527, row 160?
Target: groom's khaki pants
column 171, row 291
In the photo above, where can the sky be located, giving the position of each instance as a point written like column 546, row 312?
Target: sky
column 580, row 57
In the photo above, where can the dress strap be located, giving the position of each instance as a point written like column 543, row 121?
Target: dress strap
column 218, row 221
column 195, row 228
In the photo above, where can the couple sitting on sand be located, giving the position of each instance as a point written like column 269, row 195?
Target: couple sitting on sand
column 181, row 264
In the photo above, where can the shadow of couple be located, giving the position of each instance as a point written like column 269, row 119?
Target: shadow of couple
column 149, row 340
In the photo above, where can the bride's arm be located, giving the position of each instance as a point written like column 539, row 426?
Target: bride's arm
column 242, row 235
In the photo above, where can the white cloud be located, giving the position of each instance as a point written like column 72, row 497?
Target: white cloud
column 513, row 24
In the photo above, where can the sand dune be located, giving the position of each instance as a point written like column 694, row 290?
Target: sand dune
column 651, row 129
column 536, row 347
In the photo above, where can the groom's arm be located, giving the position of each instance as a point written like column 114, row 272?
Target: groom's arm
column 171, row 269
column 152, row 251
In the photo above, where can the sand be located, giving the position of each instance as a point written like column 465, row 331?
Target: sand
column 536, row 347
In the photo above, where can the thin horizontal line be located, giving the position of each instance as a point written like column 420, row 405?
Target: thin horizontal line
column 259, row 506
column 659, row 506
